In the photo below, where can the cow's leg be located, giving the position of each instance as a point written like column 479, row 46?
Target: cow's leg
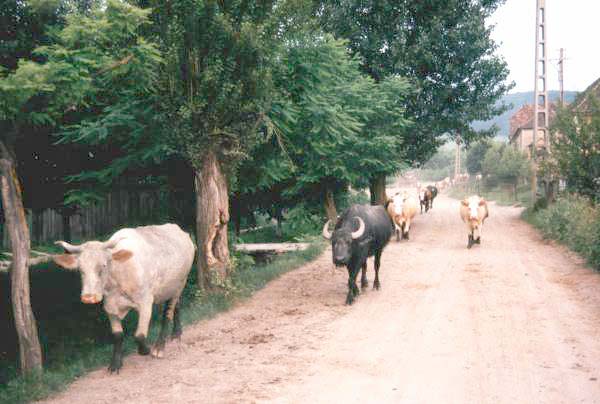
column 405, row 227
column 117, row 330
column 352, row 288
column 470, row 243
column 363, row 279
column 145, row 314
column 159, row 345
column 376, row 284
column 177, row 330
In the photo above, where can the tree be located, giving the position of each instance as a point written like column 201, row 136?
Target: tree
column 576, row 149
column 444, row 48
column 505, row 164
column 89, row 52
column 475, row 156
column 216, row 93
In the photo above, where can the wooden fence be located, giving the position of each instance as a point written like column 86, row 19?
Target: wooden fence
column 122, row 207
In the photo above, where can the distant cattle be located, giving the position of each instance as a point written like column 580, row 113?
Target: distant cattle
column 361, row 231
column 434, row 193
column 134, row 269
column 402, row 208
column 424, row 199
column 474, row 211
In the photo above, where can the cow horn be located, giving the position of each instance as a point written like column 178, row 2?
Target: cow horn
column 326, row 232
column 361, row 229
column 112, row 243
column 70, row 248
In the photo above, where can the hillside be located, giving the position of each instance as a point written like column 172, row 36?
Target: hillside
column 516, row 101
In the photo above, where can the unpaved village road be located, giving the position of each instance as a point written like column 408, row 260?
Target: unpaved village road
column 514, row 320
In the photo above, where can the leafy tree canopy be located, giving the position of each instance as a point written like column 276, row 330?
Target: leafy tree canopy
column 444, row 48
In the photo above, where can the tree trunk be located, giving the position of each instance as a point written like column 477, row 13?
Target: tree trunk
column 212, row 216
column 377, row 188
column 16, row 224
column 330, row 210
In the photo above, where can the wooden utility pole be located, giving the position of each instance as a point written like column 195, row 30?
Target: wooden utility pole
column 540, row 101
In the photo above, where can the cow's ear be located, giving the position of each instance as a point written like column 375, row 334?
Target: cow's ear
column 122, row 255
column 67, row 261
column 464, row 202
column 481, row 202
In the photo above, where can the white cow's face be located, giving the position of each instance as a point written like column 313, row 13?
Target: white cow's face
column 93, row 260
column 473, row 204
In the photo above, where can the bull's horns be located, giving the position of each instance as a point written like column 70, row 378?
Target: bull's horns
column 70, row 248
column 112, row 243
column 361, row 229
column 326, row 232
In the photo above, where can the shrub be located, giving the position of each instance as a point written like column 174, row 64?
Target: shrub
column 575, row 221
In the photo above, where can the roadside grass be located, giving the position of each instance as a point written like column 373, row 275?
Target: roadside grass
column 573, row 221
column 76, row 338
column 503, row 194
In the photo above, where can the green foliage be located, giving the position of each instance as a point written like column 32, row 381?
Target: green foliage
column 504, row 164
column 217, row 79
column 576, row 149
column 444, row 48
column 573, row 220
column 475, row 157
column 440, row 165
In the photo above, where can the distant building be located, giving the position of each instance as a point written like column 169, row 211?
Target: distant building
column 521, row 128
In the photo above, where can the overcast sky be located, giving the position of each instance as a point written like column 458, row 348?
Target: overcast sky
column 571, row 24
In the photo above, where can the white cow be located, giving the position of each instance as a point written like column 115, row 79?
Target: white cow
column 134, row 269
column 474, row 211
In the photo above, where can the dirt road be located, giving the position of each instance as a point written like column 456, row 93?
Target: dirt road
column 514, row 320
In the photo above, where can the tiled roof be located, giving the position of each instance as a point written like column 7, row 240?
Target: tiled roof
column 523, row 118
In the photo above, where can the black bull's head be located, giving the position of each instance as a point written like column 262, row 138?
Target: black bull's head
column 341, row 240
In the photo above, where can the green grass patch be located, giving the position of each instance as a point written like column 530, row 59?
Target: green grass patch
column 572, row 220
column 76, row 338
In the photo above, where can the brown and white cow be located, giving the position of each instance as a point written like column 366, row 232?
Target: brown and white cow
column 474, row 211
column 402, row 208
column 134, row 269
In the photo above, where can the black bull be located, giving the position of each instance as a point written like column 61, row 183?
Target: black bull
column 362, row 231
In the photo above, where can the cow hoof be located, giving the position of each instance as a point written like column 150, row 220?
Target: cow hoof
column 376, row 286
column 349, row 299
column 176, row 335
column 478, row 241
column 158, row 352
column 364, row 284
column 142, row 347
column 115, row 366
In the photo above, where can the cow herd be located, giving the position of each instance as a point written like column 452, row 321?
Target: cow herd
column 139, row 267
column 363, row 231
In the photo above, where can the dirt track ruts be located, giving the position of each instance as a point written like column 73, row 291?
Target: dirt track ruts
column 514, row 320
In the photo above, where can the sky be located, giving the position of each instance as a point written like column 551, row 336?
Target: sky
column 571, row 24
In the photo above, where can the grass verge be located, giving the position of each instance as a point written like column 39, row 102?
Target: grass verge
column 571, row 220
column 76, row 338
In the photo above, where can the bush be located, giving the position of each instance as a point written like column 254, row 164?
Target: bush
column 575, row 221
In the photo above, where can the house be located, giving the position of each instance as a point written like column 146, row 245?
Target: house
column 521, row 128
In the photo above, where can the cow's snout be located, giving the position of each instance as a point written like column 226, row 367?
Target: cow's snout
column 91, row 299
column 341, row 260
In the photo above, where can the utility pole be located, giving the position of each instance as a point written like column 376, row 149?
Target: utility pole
column 561, row 72
column 457, row 158
column 540, row 102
